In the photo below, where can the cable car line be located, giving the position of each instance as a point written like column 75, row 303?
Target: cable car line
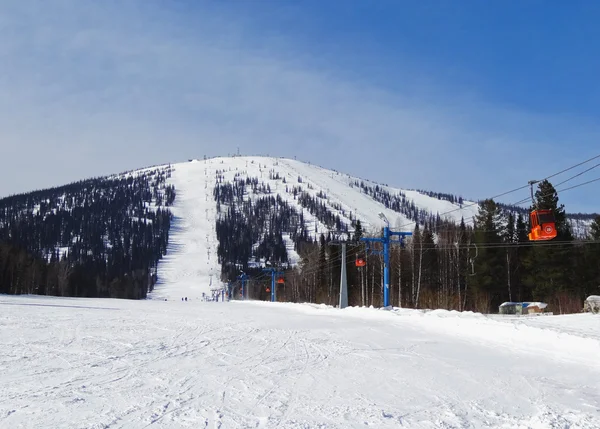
column 511, row 191
column 577, row 175
column 518, row 203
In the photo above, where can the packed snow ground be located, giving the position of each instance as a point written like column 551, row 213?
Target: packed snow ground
column 98, row 363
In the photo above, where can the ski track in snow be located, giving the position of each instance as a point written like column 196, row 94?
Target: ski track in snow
column 93, row 363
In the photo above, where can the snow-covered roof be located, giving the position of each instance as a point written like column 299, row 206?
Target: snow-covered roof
column 525, row 304
column 536, row 304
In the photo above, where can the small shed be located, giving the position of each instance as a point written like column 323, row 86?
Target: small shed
column 511, row 308
column 592, row 304
column 535, row 307
column 520, row 308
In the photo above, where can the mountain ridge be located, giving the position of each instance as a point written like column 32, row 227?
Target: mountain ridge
column 226, row 213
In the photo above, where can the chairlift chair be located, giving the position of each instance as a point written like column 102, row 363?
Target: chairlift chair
column 543, row 224
column 360, row 261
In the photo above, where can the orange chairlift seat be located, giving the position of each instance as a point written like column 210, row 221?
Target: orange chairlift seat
column 360, row 261
column 280, row 280
column 542, row 225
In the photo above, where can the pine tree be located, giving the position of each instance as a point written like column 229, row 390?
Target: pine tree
column 358, row 231
column 488, row 289
column 522, row 230
column 546, row 198
column 595, row 229
column 550, row 268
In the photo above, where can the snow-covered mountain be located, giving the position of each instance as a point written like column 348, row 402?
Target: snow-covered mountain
column 115, row 236
column 191, row 266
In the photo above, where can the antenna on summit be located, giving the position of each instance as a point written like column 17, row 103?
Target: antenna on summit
column 238, row 151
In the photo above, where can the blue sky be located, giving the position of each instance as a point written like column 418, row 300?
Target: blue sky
column 472, row 98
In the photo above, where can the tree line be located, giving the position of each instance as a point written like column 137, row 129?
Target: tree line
column 475, row 265
column 101, row 237
column 251, row 231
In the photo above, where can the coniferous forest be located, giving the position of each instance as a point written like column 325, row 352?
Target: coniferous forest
column 95, row 238
column 253, row 229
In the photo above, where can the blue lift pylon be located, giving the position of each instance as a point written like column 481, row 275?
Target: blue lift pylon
column 386, row 240
column 274, row 273
column 244, row 278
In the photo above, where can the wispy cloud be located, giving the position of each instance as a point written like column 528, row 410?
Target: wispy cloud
column 91, row 88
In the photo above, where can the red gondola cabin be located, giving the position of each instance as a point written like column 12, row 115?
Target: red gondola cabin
column 360, row 262
column 542, row 225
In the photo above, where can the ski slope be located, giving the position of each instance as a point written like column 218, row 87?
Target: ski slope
column 191, row 268
column 100, row 363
